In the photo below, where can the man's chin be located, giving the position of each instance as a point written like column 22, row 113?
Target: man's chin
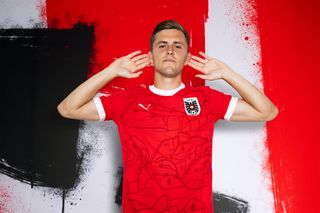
column 169, row 73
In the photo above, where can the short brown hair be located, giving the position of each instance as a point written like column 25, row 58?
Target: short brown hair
column 166, row 25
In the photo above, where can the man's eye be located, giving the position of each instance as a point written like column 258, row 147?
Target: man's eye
column 161, row 46
column 178, row 46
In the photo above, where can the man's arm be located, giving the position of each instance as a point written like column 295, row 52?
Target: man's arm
column 254, row 105
column 79, row 103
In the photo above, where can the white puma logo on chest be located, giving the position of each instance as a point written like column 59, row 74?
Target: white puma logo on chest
column 146, row 108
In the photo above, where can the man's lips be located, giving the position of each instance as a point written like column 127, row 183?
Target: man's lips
column 169, row 60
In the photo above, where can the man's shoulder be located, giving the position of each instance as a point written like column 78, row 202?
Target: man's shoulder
column 123, row 92
column 202, row 92
column 199, row 89
column 129, row 89
column 204, row 88
column 140, row 89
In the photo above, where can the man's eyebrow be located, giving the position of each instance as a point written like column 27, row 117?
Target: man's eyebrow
column 165, row 42
column 161, row 42
column 178, row 42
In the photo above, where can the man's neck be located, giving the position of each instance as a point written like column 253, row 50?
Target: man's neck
column 167, row 83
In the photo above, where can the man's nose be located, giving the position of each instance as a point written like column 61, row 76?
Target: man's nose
column 170, row 50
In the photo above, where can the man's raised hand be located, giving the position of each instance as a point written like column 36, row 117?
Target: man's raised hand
column 210, row 68
column 129, row 66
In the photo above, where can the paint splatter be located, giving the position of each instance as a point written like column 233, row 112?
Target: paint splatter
column 5, row 198
column 244, row 15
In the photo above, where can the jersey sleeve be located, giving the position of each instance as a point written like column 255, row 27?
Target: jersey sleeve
column 109, row 107
column 223, row 105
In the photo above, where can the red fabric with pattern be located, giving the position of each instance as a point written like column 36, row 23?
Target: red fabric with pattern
column 167, row 152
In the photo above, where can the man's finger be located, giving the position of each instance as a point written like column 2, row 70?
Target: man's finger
column 199, row 59
column 196, row 65
column 143, row 64
column 142, row 60
column 205, row 55
column 204, row 77
column 136, row 74
column 133, row 54
column 134, row 59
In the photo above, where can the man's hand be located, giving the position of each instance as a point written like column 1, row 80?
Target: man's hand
column 210, row 68
column 129, row 66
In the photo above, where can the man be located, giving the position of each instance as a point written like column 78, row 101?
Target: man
column 166, row 129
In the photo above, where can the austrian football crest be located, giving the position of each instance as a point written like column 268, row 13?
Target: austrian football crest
column 191, row 106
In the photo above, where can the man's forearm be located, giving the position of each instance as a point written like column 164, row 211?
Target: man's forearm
column 250, row 94
column 79, row 104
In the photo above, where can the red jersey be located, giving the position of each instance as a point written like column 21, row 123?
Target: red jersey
column 166, row 145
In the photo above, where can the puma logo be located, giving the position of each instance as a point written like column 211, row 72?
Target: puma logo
column 146, row 108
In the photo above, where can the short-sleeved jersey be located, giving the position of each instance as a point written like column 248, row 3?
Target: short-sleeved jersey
column 166, row 146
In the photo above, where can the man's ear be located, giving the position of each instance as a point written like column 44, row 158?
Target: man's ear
column 150, row 57
column 187, row 59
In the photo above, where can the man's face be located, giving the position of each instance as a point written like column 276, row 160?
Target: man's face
column 169, row 52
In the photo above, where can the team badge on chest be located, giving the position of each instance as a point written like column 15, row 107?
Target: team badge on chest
column 191, row 106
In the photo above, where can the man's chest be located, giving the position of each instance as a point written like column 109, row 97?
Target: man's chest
column 166, row 113
column 188, row 105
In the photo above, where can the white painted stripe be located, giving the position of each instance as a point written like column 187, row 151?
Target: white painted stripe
column 165, row 92
column 22, row 14
column 231, row 107
column 100, row 109
column 239, row 147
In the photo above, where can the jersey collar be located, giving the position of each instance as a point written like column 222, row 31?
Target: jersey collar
column 165, row 92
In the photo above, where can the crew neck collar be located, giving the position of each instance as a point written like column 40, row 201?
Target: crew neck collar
column 166, row 92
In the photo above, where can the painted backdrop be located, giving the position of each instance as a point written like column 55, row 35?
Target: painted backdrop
column 47, row 48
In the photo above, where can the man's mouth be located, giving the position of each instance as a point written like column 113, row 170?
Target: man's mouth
column 169, row 60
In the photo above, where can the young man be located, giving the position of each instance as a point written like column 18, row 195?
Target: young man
column 166, row 129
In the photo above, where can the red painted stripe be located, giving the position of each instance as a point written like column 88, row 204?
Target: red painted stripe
column 290, row 32
column 122, row 26
column 5, row 198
